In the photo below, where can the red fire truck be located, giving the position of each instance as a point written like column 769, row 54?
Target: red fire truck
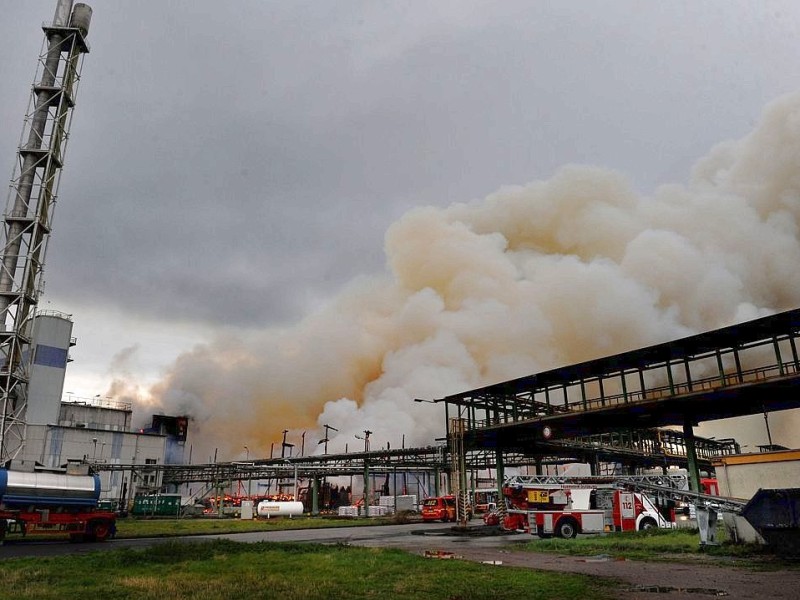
column 566, row 509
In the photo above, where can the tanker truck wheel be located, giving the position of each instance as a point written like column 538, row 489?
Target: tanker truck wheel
column 567, row 528
column 99, row 530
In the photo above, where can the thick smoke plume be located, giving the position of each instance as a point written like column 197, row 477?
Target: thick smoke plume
column 529, row 278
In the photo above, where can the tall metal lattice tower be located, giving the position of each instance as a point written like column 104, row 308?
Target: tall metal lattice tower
column 29, row 210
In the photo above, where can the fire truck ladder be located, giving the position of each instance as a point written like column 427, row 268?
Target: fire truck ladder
column 706, row 506
column 718, row 503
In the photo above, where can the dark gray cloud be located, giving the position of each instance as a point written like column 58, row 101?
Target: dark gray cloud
column 236, row 164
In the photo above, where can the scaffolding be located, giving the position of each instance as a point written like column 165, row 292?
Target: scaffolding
column 29, row 211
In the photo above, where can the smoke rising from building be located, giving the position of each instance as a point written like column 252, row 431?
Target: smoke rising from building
column 532, row 277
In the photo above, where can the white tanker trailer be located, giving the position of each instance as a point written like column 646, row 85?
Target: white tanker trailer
column 20, row 489
column 269, row 508
column 46, row 503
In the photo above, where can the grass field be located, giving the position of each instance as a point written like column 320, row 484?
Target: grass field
column 164, row 527
column 224, row 569
column 655, row 544
column 658, row 544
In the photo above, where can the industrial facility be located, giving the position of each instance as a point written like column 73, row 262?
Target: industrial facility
column 625, row 420
column 63, row 428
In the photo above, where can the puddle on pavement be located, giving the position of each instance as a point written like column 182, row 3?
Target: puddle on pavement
column 666, row 589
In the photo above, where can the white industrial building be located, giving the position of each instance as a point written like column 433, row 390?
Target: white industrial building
column 94, row 430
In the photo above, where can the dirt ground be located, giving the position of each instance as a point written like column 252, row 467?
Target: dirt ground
column 651, row 580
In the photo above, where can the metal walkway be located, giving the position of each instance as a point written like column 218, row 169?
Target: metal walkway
column 740, row 370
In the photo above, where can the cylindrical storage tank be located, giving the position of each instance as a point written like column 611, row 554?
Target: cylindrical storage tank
column 267, row 508
column 19, row 489
column 81, row 17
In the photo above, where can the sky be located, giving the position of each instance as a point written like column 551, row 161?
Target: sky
column 240, row 178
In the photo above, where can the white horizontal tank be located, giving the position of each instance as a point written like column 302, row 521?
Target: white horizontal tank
column 268, row 508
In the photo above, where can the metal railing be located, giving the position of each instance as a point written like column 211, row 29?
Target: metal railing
column 717, row 382
column 96, row 402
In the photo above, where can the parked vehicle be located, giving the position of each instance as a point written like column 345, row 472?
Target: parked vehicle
column 47, row 503
column 564, row 510
column 485, row 501
column 439, row 508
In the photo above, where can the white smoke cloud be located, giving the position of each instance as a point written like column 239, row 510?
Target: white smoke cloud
column 529, row 278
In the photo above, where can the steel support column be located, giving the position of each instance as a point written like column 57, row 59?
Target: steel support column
column 691, row 455
column 501, row 474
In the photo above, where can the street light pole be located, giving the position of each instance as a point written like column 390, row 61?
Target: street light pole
column 367, row 433
column 249, row 475
column 327, row 436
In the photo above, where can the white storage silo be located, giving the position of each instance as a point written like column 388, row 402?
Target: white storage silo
column 52, row 339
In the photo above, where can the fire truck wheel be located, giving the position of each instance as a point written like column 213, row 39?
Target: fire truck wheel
column 648, row 523
column 567, row 528
column 540, row 532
